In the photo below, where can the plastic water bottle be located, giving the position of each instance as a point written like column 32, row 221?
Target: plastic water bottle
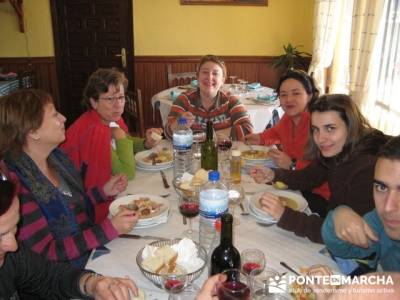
column 213, row 204
column 182, row 140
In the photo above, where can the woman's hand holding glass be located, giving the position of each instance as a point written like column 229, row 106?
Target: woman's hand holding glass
column 209, row 289
column 271, row 204
column 124, row 220
column 262, row 174
column 115, row 185
column 281, row 159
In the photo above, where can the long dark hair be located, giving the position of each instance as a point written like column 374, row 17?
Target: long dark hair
column 306, row 81
column 357, row 125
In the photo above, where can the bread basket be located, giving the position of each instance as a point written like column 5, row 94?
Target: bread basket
column 157, row 278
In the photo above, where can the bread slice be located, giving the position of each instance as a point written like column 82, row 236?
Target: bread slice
column 141, row 295
column 153, row 264
column 167, row 254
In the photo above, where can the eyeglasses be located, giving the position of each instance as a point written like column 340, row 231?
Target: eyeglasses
column 113, row 100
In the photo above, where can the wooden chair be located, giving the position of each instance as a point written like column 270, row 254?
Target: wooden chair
column 27, row 79
column 175, row 79
column 134, row 114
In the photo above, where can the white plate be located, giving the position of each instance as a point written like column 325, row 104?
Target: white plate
column 298, row 198
column 127, row 199
column 153, row 168
column 140, row 156
column 262, row 219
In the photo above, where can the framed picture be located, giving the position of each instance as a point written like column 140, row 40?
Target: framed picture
column 224, row 2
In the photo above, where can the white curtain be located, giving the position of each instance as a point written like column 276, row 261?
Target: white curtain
column 326, row 20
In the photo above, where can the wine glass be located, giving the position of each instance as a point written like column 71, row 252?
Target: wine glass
column 235, row 287
column 176, row 281
column 224, row 143
column 265, row 284
column 235, row 195
column 189, row 292
column 252, row 259
column 189, row 207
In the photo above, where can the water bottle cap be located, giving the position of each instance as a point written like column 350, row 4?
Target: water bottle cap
column 182, row 121
column 213, row 176
column 236, row 153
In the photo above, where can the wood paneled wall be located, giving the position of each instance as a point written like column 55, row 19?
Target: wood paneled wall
column 44, row 69
column 151, row 73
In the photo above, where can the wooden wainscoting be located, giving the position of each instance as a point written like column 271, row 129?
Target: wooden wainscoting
column 44, row 69
column 151, row 74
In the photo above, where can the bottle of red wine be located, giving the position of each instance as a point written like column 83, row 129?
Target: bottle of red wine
column 225, row 256
column 209, row 153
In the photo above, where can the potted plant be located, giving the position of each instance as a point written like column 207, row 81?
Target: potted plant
column 292, row 58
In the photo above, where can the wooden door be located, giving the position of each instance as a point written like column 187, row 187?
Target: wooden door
column 89, row 34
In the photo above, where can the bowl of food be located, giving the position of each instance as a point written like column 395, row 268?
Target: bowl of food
column 186, row 185
column 256, row 154
column 171, row 256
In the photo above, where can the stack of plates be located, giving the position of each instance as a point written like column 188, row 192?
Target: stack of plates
column 142, row 164
column 160, row 216
column 259, row 159
column 299, row 204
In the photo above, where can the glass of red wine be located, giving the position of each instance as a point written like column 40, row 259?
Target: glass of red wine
column 235, row 287
column 174, row 282
column 265, row 284
column 189, row 207
column 252, row 259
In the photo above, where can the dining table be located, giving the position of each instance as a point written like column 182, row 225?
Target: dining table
column 259, row 110
column 278, row 245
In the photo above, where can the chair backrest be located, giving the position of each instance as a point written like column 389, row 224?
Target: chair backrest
column 175, row 79
column 133, row 113
column 27, row 79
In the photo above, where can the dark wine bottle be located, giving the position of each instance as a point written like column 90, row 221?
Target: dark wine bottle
column 225, row 256
column 209, row 152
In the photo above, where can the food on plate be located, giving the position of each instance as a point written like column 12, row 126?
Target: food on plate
column 159, row 157
column 289, row 202
column 255, row 154
column 145, row 207
column 155, row 136
column 301, row 292
column 279, row 185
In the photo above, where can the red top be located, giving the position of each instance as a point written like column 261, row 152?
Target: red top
column 293, row 140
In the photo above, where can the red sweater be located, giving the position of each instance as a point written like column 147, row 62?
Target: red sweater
column 293, row 140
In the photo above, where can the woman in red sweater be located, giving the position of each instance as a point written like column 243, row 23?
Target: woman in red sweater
column 296, row 89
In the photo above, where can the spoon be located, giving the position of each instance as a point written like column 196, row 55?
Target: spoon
column 285, row 265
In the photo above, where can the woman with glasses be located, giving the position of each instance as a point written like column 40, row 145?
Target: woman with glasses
column 98, row 142
column 209, row 102
column 27, row 275
column 57, row 217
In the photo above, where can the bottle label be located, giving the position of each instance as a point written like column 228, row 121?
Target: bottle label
column 182, row 141
column 213, row 203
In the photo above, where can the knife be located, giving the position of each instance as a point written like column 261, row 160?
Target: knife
column 164, row 179
column 138, row 236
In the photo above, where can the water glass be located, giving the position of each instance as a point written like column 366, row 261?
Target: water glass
column 199, row 136
column 260, row 283
column 189, row 292
column 224, row 143
column 236, row 195
column 252, row 259
column 235, row 287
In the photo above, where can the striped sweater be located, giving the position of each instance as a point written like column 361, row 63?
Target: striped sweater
column 228, row 112
column 35, row 230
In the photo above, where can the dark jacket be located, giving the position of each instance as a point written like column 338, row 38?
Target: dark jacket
column 25, row 272
column 350, row 181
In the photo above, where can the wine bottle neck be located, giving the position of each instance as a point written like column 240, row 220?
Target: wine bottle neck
column 210, row 131
column 226, row 234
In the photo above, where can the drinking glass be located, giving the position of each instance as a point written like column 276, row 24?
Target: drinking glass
column 175, row 281
column 199, row 136
column 224, row 143
column 235, row 195
column 189, row 292
column 235, row 287
column 261, row 281
column 189, row 207
column 233, row 87
column 252, row 259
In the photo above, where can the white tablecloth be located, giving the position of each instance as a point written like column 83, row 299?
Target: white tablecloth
column 277, row 244
column 260, row 114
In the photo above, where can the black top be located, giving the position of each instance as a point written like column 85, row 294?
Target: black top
column 25, row 272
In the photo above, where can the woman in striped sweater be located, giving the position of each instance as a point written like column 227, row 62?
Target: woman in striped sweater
column 56, row 212
column 209, row 102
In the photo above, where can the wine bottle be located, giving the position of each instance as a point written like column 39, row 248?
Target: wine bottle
column 225, row 256
column 209, row 153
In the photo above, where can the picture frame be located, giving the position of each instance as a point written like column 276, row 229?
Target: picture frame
column 225, row 2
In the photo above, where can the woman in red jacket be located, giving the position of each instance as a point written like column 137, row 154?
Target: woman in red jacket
column 296, row 89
